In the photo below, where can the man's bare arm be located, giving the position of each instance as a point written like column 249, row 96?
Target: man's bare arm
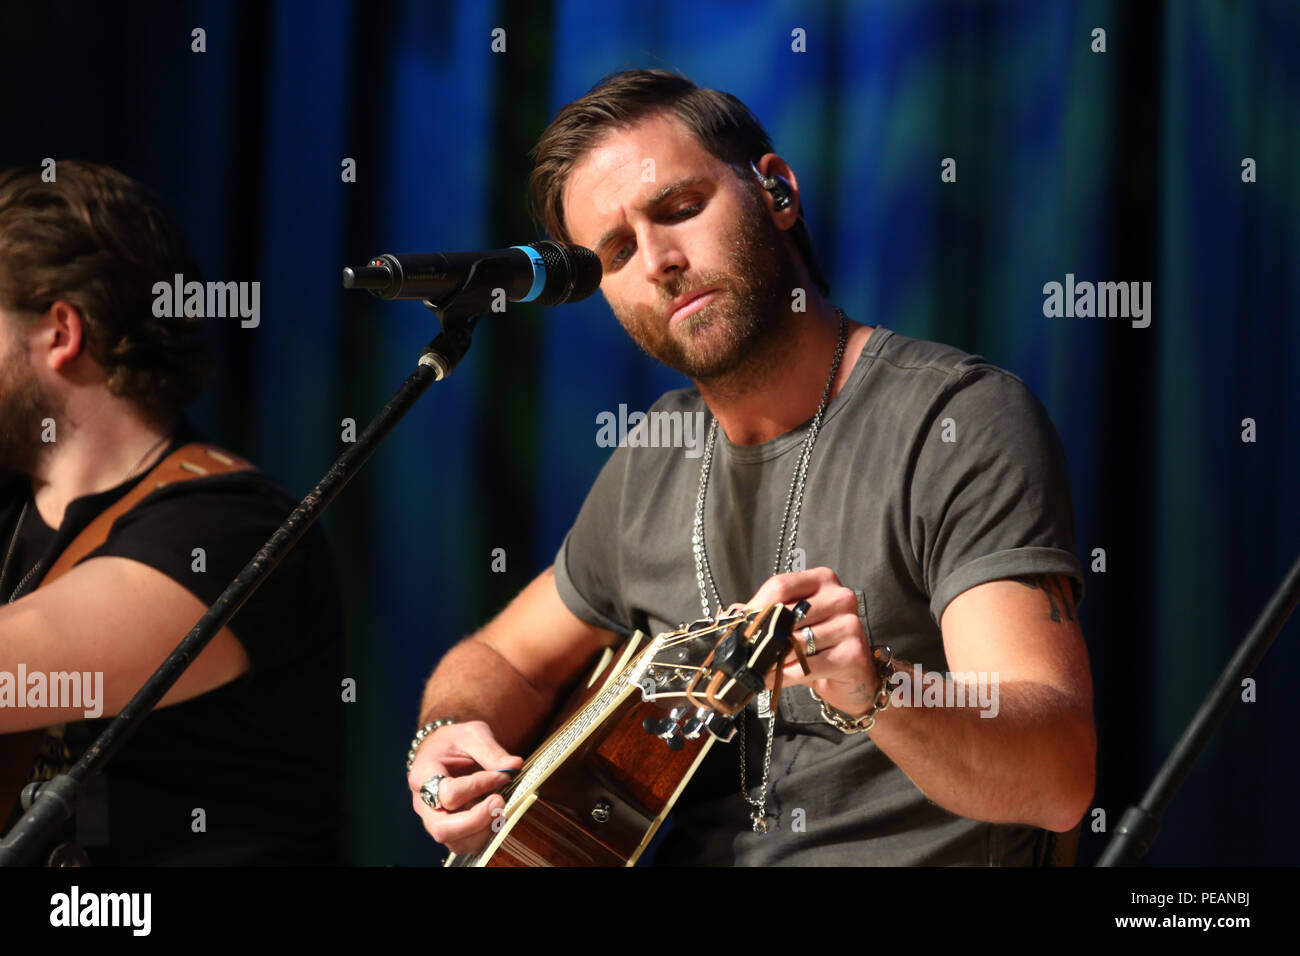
column 499, row 686
column 114, row 617
column 511, row 672
column 1030, row 756
column 474, row 682
column 1035, row 762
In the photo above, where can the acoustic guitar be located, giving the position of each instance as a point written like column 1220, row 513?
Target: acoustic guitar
column 629, row 740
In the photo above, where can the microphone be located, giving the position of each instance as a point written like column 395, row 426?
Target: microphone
column 545, row 272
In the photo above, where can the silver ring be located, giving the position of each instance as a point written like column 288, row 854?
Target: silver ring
column 810, row 642
column 429, row 791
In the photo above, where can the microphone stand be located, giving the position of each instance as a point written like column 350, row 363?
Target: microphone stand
column 48, row 805
column 1139, row 825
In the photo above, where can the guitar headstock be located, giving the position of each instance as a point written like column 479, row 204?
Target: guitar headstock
column 704, row 673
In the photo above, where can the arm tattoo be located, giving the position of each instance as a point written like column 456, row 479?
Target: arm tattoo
column 861, row 692
column 1056, row 588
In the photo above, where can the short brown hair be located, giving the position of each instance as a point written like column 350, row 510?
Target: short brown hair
column 722, row 124
column 99, row 240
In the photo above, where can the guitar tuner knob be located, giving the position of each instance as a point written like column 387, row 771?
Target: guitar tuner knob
column 801, row 611
column 693, row 728
column 659, row 726
column 675, row 742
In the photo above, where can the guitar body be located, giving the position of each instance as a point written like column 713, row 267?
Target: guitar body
column 627, row 742
column 603, row 805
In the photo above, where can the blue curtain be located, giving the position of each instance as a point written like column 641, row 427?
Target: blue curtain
column 1123, row 165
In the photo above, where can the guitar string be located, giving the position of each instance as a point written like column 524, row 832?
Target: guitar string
column 533, row 760
column 583, row 718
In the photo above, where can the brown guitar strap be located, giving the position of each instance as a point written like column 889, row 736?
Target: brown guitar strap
column 195, row 460
column 18, row 751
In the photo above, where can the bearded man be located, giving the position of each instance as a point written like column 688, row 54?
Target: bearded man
column 917, row 498
column 121, row 525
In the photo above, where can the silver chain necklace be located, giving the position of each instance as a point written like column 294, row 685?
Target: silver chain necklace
column 13, row 541
column 704, row 574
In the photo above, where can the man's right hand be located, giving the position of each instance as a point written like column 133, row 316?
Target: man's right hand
column 512, row 672
column 469, row 759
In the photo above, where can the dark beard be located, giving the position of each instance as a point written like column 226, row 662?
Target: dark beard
column 734, row 337
column 24, row 404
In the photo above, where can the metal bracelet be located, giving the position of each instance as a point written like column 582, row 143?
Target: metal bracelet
column 883, row 658
column 419, row 738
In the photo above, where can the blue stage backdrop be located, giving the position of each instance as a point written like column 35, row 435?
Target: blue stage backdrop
column 1128, row 164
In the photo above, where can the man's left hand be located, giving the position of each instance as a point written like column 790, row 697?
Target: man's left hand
column 842, row 671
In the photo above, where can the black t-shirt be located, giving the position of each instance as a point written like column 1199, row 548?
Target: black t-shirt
column 262, row 756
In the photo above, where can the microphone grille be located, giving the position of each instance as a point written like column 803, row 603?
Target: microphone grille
column 572, row 272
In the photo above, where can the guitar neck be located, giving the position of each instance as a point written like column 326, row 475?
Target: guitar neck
column 596, row 791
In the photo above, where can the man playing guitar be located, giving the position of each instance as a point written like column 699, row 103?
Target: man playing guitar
column 927, row 490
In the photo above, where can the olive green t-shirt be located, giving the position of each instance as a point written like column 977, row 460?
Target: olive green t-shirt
column 933, row 472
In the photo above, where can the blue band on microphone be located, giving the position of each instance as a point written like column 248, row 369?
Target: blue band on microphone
column 539, row 273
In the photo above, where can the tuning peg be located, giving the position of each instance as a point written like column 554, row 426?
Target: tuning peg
column 801, row 611
column 666, row 729
column 693, row 727
column 659, row 726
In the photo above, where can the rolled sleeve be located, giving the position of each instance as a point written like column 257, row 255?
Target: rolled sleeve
column 990, row 494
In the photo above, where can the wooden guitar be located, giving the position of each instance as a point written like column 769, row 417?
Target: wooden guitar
column 600, row 785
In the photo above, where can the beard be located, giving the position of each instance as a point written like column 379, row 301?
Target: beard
column 24, row 404
column 743, row 325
